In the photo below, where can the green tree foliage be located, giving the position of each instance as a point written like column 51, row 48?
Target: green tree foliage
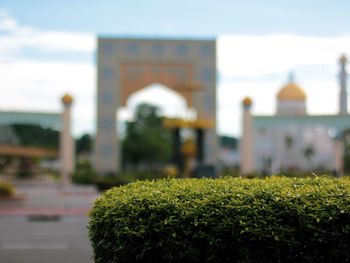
column 228, row 142
column 84, row 144
column 146, row 141
column 309, row 151
column 35, row 135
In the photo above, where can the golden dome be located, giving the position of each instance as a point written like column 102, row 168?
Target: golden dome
column 343, row 59
column 67, row 99
column 247, row 101
column 291, row 91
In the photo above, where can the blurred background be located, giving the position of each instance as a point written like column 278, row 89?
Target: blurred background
column 279, row 91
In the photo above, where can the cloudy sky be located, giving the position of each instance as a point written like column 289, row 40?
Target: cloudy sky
column 48, row 48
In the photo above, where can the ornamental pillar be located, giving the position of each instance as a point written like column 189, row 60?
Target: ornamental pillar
column 67, row 157
column 246, row 139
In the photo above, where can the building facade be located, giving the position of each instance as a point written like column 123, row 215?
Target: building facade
column 293, row 140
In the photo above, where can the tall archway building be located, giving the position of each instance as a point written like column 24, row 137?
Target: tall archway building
column 128, row 65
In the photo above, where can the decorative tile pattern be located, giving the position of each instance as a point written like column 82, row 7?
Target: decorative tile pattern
column 133, row 48
column 182, row 49
column 205, row 75
column 108, row 48
column 106, row 97
column 169, row 61
column 207, row 101
column 107, row 73
column 205, row 50
column 106, row 123
column 157, row 49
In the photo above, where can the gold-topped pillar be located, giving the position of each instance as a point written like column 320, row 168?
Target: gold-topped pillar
column 247, row 138
column 67, row 159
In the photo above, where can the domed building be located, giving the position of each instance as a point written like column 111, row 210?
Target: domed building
column 291, row 139
column 291, row 99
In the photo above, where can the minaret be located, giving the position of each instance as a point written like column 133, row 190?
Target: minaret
column 343, row 94
column 247, row 138
column 66, row 142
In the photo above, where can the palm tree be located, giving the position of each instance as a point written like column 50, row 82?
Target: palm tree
column 308, row 153
column 288, row 140
column 288, row 143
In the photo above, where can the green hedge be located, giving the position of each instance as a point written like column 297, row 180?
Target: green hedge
column 277, row 219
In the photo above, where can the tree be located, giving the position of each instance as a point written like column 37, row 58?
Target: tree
column 84, row 144
column 228, row 142
column 288, row 143
column 146, row 141
column 35, row 135
column 308, row 153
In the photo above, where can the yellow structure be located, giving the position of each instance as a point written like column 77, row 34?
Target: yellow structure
column 67, row 99
column 189, row 150
column 247, row 101
column 291, row 99
column 173, row 123
column 291, row 91
column 21, row 151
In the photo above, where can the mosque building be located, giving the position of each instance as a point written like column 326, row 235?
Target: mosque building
column 291, row 139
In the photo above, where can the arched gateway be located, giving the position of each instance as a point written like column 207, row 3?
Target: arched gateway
column 128, row 65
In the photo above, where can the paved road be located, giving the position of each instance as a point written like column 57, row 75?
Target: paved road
column 50, row 199
column 26, row 239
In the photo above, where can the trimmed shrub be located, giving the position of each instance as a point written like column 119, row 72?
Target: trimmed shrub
column 277, row 219
column 6, row 190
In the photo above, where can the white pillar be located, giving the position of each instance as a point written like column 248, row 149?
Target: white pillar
column 66, row 142
column 246, row 144
column 338, row 156
column 343, row 101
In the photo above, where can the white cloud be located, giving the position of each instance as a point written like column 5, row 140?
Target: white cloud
column 16, row 38
column 39, row 84
column 242, row 56
column 7, row 23
column 251, row 57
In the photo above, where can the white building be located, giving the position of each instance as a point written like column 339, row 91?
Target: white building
column 291, row 139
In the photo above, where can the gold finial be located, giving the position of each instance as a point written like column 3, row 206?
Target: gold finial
column 343, row 59
column 67, row 99
column 247, row 101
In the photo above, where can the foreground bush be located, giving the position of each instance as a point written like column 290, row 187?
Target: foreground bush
column 277, row 219
column 6, row 190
